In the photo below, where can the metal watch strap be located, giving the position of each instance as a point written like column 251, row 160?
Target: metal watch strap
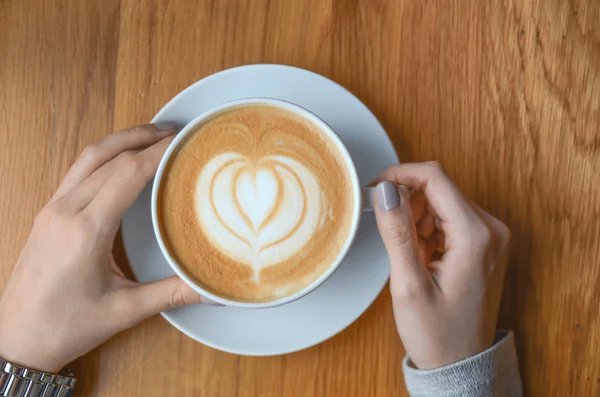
column 16, row 381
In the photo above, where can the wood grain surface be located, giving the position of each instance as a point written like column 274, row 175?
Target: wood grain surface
column 506, row 94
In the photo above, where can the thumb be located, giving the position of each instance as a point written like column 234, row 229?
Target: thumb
column 397, row 229
column 146, row 300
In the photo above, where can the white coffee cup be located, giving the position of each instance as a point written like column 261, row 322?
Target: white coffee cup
column 363, row 196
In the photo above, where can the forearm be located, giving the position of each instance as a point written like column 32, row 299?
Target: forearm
column 494, row 372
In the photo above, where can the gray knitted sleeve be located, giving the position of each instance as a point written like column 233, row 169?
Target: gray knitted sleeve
column 494, row 372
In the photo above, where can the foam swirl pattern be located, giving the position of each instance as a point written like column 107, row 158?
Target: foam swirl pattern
column 256, row 203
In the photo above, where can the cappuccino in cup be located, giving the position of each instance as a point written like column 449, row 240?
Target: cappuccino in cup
column 256, row 203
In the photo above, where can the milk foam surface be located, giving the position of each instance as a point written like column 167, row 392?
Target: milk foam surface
column 256, row 203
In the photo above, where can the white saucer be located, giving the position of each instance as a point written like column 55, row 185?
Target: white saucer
column 361, row 276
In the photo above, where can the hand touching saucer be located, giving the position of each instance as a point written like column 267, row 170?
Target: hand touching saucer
column 67, row 295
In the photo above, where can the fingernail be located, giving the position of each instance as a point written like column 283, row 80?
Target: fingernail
column 166, row 126
column 387, row 196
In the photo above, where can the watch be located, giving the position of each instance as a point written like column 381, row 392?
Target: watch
column 16, row 381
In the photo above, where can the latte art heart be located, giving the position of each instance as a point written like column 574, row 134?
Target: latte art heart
column 258, row 213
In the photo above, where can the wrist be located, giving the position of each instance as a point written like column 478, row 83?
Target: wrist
column 440, row 351
column 26, row 343
column 491, row 372
column 24, row 356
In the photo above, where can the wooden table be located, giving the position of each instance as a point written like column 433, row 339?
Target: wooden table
column 506, row 94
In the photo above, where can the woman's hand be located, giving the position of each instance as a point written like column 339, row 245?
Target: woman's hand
column 66, row 294
column 448, row 259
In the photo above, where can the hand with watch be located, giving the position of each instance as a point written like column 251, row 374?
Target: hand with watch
column 66, row 294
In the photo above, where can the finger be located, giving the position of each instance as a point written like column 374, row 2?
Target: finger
column 497, row 226
column 441, row 193
column 81, row 195
column 417, row 205
column 139, row 302
column 426, row 226
column 431, row 211
column 397, row 230
column 125, row 185
column 489, row 244
column 500, row 232
column 96, row 155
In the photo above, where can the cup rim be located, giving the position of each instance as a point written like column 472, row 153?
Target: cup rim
column 227, row 106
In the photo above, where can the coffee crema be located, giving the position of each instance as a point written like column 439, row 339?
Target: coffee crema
column 256, row 203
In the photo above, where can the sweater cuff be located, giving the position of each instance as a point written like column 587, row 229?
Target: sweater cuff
column 493, row 372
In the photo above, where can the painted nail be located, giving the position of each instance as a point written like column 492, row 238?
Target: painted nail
column 387, row 196
column 166, row 126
